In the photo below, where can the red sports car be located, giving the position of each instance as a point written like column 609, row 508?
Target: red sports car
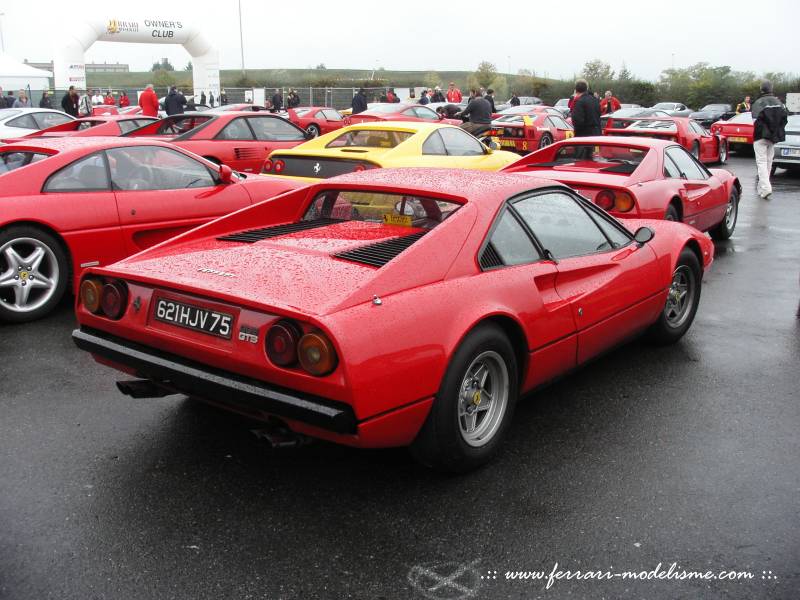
column 526, row 132
column 241, row 140
column 112, row 125
column 641, row 178
column 104, row 109
column 392, row 307
column 705, row 146
column 316, row 120
column 399, row 112
column 737, row 130
column 67, row 204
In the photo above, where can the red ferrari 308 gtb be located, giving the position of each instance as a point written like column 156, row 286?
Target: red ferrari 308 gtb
column 316, row 120
column 113, row 125
column 705, row 146
column 240, row 140
column 66, row 204
column 634, row 177
column 399, row 112
column 392, row 307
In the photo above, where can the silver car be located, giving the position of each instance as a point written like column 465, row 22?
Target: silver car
column 674, row 109
column 19, row 122
column 787, row 152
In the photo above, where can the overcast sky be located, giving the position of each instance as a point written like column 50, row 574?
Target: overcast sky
column 551, row 38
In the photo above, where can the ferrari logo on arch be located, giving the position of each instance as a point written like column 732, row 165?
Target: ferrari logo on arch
column 115, row 26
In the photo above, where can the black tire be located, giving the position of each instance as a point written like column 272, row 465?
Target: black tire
column 667, row 329
column 723, row 151
column 725, row 229
column 696, row 150
column 440, row 443
column 672, row 213
column 54, row 267
column 313, row 130
column 545, row 140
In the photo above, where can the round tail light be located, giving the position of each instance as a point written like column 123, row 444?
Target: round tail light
column 316, row 354
column 624, row 202
column 114, row 299
column 90, row 293
column 281, row 343
column 605, row 200
column 267, row 166
column 279, row 166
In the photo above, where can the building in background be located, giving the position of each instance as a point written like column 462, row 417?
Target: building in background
column 103, row 67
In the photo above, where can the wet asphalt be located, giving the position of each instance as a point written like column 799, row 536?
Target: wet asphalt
column 688, row 454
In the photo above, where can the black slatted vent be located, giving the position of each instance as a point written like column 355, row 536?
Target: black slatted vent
column 380, row 253
column 490, row 258
column 256, row 235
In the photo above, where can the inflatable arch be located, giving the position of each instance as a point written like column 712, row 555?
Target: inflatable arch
column 70, row 46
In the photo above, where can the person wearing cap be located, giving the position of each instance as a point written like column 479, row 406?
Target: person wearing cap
column 769, row 128
column 453, row 94
column 437, row 96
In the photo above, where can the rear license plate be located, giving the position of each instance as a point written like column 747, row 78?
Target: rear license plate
column 790, row 151
column 508, row 143
column 737, row 140
column 194, row 317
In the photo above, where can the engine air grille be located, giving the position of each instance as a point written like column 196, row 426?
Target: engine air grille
column 256, row 235
column 380, row 253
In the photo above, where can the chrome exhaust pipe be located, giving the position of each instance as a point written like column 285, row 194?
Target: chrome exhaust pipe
column 143, row 388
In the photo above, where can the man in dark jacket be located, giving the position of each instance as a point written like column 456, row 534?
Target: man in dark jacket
column 69, row 103
column 359, row 103
column 46, row 101
column 769, row 128
column 585, row 111
column 514, row 99
column 277, row 101
column 175, row 102
column 479, row 113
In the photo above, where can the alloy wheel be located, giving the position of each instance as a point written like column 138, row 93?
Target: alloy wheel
column 29, row 274
column 483, row 398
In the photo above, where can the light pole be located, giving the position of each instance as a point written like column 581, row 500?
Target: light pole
column 241, row 38
column 509, row 64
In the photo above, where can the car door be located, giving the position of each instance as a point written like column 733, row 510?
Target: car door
column 161, row 192
column 708, row 143
column 561, row 130
column 272, row 133
column 331, row 121
column 514, row 267
column 79, row 199
column 702, row 195
column 235, row 145
column 610, row 282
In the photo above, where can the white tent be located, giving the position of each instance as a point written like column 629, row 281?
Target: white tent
column 15, row 75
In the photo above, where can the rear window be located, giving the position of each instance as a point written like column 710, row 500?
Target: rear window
column 376, row 207
column 383, row 109
column 741, row 118
column 370, row 138
column 9, row 161
column 605, row 158
column 301, row 111
column 665, row 126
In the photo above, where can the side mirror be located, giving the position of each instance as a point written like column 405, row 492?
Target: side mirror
column 225, row 174
column 643, row 235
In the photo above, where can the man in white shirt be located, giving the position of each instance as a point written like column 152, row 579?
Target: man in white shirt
column 97, row 99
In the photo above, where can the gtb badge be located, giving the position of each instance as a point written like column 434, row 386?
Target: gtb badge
column 248, row 334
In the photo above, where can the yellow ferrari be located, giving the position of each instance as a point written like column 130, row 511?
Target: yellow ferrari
column 385, row 144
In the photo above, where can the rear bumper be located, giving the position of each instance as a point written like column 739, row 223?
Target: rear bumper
column 195, row 379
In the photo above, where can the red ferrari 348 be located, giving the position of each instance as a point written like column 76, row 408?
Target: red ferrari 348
column 241, row 140
column 639, row 177
column 399, row 112
column 113, row 125
column 392, row 307
column 67, row 204
column 316, row 120
column 706, row 146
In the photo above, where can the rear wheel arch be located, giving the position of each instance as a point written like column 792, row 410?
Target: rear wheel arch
column 515, row 334
column 676, row 202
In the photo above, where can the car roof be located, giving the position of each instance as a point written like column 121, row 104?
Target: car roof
column 412, row 126
column 74, row 144
column 483, row 188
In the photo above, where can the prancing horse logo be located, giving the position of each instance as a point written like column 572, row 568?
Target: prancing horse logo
column 317, row 168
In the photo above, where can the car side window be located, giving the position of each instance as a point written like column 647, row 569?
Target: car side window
column 670, row 168
column 275, row 129
column 14, row 160
column 409, row 112
column 616, row 234
column 23, row 122
column 50, row 119
column 236, row 130
column 139, row 168
column 332, row 115
column 88, row 174
column 686, row 163
column 434, row 145
column 426, row 113
column 561, row 225
column 460, row 143
column 509, row 244
column 128, row 125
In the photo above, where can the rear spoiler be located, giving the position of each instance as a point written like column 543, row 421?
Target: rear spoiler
column 661, row 135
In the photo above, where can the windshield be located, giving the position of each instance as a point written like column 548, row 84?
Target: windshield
column 715, row 108
column 518, row 110
column 370, row 138
column 741, row 118
column 563, row 102
column 631, row 112
column 385, row 109
column 665, row 105
column 376, row 207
